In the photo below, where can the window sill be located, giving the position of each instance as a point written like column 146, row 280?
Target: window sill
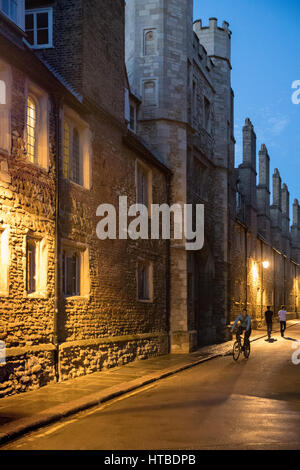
column 35, row 295
column 76, row 185
column 38, row 165
column 77, row 297
column 4, row 293
column 145, row 301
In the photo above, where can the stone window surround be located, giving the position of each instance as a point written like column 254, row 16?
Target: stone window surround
column 42, row 126
column 85, row 137
column 145, row 32
column 5, row 108
column 156, row 82
column 4, row 260
column 82, row 250
column 41, row 265
column 150, row 280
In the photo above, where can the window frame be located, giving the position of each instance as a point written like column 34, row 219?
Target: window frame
column 40, row 266
column 149, row 266
column 20, row 13
column 68, row 254
column 5, row 108
column 146, row 170
column 132, row 106
column 4, row 260
column 34, row 100
column 83, row 284
column 42, row 125
column 85, row 149
column 35, row 12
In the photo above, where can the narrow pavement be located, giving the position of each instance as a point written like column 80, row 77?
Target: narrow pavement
column 220, row 404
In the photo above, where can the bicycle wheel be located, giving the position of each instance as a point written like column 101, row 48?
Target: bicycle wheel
column 236, row 350
column 247, row 349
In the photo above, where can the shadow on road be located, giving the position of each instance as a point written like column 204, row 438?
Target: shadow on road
column 290, row 339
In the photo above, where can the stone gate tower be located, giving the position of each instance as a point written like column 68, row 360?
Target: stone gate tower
column 186, row 116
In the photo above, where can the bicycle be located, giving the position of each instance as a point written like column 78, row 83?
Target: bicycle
column 238, row 347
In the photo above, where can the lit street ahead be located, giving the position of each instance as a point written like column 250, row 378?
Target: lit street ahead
column 220, row 404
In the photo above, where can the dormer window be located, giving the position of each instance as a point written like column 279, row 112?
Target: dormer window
column 14, row 10
column 38, row 27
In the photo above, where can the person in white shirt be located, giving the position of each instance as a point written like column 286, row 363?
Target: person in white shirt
column 282, row 319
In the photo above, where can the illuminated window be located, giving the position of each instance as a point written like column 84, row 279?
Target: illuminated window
column 31, row 266
column 31, row 129
column 36, row 265
column 144, row 281
column 38, row 27
column 37, row 132
column 5, row 104
column 2, row 92
column 4, row 261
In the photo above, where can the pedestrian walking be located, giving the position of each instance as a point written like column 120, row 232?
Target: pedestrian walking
column 282, row 319
column 269, row 320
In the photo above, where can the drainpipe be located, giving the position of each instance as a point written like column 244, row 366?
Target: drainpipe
column 56, row 335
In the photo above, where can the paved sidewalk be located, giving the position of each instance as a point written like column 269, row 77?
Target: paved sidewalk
column 27, row 411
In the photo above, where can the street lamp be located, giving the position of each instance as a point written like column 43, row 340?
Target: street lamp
column 266, row 264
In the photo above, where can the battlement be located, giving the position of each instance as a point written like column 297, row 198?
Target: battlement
column 215, row 39
column 201, row 55
column 213, row 25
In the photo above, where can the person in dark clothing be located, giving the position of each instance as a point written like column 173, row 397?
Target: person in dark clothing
column 269, row 320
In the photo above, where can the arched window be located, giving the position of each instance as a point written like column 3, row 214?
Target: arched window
column 31, row 129
column 2, row 92
column 76, row 157
column 149, row 43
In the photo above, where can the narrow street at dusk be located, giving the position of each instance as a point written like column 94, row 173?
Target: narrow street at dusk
column 219, row 404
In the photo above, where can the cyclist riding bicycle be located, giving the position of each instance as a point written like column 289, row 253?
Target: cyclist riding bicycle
column 244, row 326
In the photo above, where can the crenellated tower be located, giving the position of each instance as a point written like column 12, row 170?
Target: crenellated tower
column 296, row 231
column 186, row 117
column 276, row 211
column 285, row 210
column 263, row 194
column 247, row 175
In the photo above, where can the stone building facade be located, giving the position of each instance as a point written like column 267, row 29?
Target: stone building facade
column 70, row 303
column 186, row 116
column 182, row 70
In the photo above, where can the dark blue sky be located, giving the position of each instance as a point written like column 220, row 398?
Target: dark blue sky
column 265, row 61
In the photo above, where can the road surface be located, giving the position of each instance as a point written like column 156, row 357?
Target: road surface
column 220, row 404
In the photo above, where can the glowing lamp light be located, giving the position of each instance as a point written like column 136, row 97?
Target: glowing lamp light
column 266, row 264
